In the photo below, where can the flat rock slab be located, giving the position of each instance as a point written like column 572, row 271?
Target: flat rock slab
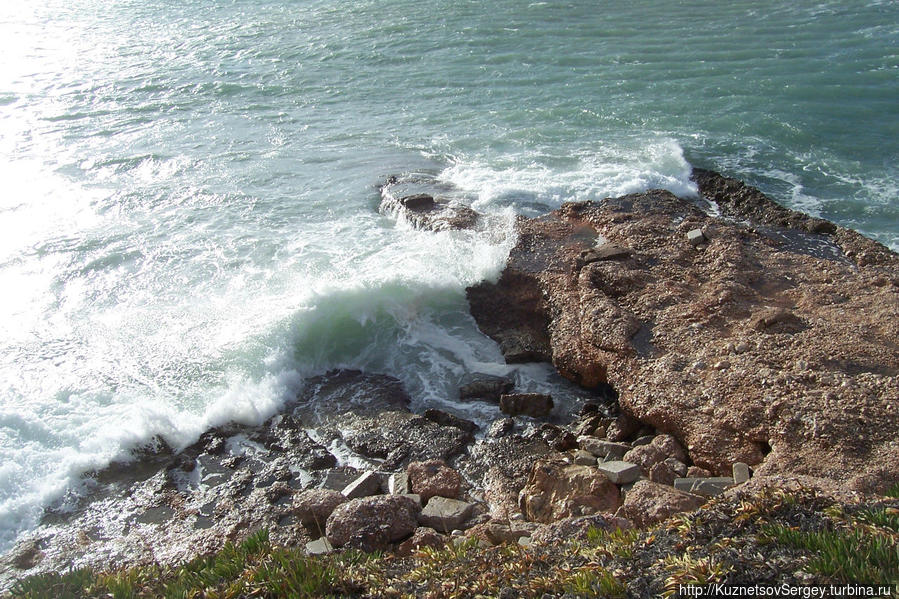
column 603, row 449
column 444, row 514
column 707, row 487
column 365, row 485
column 620, row 472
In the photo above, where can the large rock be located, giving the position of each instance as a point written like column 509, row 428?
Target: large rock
column 372, row 523
column 485, row 387
column 772, row 343
column 578, row 528
column 433, row 477
column 444, row 515
column 648, row 502
column 313, row 507
column 557, row 489
column 327, row 397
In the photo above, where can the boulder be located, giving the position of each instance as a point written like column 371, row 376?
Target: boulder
column 536, row 405
column 648, row 502
column 558, row 438
column 501, row 467
column 501, row 428
column 645, row 456
column 366, row 484
column 707, row 487
column 604, row 450
column 432, row 478
column 444, row 514
column 328, row 397
column 667, row 470
column 446, row 419
column 584, row 458
column 372, row 523
column 556, row 489
column 400, row 437
column 577, row 528
column 312, row 507
column 422, row 537
column 670, row 447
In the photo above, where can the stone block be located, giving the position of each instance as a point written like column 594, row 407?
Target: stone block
column 603, row 449
column 444, row 514
column 367, row 484
column 696, row 236
column 319, row 547
column 741, row 473
column 619, row 472
column 584, row 458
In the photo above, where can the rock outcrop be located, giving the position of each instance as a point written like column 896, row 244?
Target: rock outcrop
column 771, row 342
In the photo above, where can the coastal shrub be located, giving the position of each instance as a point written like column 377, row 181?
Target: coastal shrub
column 595, row 582
column 845, row 555
column 53, row 585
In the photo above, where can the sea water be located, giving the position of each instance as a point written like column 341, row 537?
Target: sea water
column 188, row 215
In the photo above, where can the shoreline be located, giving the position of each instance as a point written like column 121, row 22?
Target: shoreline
column 762, row 337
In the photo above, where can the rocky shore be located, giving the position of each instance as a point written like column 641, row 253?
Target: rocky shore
column 724, row 346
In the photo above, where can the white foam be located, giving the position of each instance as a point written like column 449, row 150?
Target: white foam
column 609, row 170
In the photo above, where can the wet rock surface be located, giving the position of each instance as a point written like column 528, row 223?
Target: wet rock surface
column 425, row 203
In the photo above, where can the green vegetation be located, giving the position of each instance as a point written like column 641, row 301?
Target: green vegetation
column 253, row 568
column 729, row 540
column 893, row 491
column 863, row 547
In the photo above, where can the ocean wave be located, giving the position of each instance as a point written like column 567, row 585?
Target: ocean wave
column 531, row 183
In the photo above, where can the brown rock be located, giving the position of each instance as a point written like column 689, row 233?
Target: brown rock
column 422, row 537
column 797, row 313
column 578, row 527
column 670, row 446
column 432, row 478
column 313, row 507
column 648, row 502
column 372, row 523
column 622, row 428
column 645, row 456
column 556, row 489
column 663, row 473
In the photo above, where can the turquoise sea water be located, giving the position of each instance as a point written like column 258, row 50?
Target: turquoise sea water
column 189, row 226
